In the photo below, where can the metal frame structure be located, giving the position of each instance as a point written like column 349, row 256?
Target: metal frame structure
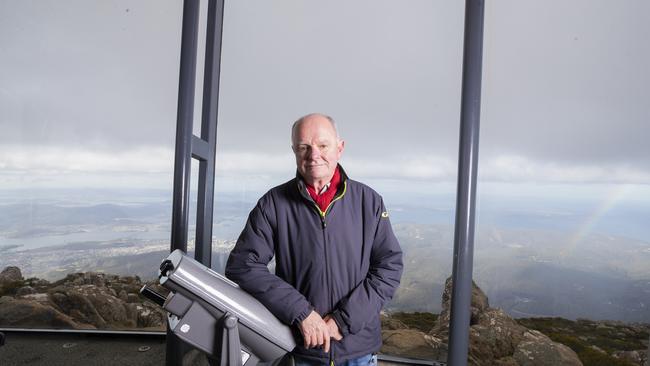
column 461, row 298
column 189, row 146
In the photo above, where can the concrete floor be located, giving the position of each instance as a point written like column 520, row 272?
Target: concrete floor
column 72, row 349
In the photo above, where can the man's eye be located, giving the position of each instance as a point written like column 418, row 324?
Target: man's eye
column 323, row 147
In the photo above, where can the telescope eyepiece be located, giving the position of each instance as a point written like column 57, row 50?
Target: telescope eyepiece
column 165, row 267
column 152, row 295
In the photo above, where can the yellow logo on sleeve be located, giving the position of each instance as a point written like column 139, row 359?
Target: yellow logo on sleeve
column 384, row 214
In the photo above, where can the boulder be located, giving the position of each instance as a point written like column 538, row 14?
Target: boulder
column 412, row 343
column 31, row 314
column 11, row 274
column 11, row 279
column 505, row 361
column 479, row 304
column 150, row 316
column 97, row 279
column 536, row 349
column 78, row 306
column 122, row 296
column 25, row 290
column 110, row 308
column 133, row 298
column 495, row 336
column 37, row 284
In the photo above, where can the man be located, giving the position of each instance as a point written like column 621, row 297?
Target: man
column 337, row 259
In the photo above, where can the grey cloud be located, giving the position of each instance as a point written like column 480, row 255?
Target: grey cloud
column 89, row 74
column 563, row 81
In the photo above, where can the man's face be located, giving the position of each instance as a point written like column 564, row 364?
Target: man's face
column 317, row 149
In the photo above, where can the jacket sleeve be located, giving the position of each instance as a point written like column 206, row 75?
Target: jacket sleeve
column 248, row 267
column 367, row 299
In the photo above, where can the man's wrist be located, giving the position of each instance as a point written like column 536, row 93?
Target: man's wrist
column 303, row 315
column 338, row 319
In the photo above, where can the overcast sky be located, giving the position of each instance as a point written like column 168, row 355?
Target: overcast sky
column 88, row 90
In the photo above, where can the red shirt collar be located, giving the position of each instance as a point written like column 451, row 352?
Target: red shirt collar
column 323, row 200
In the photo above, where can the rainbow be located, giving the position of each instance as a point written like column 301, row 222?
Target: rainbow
column 615, row 195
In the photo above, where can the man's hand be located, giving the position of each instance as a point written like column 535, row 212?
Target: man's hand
column 333, row 328
column 315, row 331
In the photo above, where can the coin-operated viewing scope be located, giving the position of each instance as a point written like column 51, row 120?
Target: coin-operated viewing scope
column 213, row 314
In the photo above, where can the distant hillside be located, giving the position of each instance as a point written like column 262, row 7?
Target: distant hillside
column 527, row 273
column 532, row 273
column 526, row 289
column 46, row 215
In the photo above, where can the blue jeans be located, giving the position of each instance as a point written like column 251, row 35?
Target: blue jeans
column 367, row 360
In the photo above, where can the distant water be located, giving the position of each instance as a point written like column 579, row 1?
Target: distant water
column 100, row 235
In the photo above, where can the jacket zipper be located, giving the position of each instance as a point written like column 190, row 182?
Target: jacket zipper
column 325, row 245
column 322, row 215
column 327, row 274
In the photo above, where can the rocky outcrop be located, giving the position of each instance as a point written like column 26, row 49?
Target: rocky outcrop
column 11, row 279
column 478, row 306
column 398, row 339
column 495, row 338
column 79, row 301
column 32, row 314
column 10, row 274
column 410, row 343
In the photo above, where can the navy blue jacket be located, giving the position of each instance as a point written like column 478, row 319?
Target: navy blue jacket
column 345, row 262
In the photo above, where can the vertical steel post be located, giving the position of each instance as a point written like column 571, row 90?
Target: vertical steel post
column 205, row 199
column 184, row 119
column 182, row 158
column 466, row 190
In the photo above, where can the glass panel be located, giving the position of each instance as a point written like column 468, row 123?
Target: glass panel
column 564, row 198
column 88, row 96
column 200, row 61
column 390, row 77
column 192, row 205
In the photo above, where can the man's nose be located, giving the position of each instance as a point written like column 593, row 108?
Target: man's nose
column 314, row 153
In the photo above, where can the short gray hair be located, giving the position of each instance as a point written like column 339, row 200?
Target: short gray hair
column 295, row 125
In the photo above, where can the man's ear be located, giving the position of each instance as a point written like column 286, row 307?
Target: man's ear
column 341, row 146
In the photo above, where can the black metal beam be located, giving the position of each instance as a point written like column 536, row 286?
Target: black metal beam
column 466, row 190
column 175, row 349
column 200, row 149
column 184, row 119
column 203, row 245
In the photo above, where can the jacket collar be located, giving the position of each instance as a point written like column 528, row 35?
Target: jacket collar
column 302, row 186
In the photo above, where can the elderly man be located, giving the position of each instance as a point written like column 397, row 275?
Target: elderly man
column 337, row 259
